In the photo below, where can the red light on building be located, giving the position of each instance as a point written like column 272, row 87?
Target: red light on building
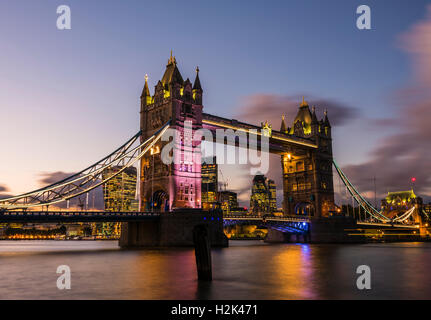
column 413, row 179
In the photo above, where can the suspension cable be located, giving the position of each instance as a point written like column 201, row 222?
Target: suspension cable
column 78, row 184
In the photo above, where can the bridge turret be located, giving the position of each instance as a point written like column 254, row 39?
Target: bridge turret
column 302, row 122
column 307, row 176
column 172, row 80
column 327, row 125
column 283, row 128
column 314, row 122
column 165, row 186
column 146, row 100
column 197, row 89
column 146, row 95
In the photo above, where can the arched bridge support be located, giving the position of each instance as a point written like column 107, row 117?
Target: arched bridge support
column 173, row 229
column 277, row 236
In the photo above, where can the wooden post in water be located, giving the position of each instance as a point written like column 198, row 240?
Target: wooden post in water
column 202, row 252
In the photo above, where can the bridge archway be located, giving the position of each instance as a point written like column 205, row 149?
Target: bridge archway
column 304, row 209
column 158, row 201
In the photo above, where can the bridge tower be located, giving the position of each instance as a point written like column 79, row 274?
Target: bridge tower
column 178, row 184
column 307, row 174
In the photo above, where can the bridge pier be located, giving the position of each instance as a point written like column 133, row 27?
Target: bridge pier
column 334, row 230
column 276, row 236
column 322, row 230
column 174, row 229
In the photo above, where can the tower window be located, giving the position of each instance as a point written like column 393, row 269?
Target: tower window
column 300, row 166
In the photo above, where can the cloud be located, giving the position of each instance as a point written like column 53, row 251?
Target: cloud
column 52, row 177
column 417, row 42
column 407, row 154
column 3, row 191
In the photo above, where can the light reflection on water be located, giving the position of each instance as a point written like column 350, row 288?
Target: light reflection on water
column 245, row 270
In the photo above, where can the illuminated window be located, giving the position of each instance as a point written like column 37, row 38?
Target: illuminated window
column 300, row 166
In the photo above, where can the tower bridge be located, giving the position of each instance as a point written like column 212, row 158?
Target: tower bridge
column 173, row 190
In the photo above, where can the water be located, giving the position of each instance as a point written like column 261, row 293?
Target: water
column 245, row 270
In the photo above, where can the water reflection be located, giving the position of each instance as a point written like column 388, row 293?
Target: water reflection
column 246, row 270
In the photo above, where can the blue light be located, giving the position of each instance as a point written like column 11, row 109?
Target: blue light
column 205, row 218
column 304, row 223
column 212, row 218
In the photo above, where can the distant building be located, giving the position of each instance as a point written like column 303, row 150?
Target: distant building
column 228, row 201
column 398, row 202
column 118, row 195
column 263, row 195
column 209, row 183
column 272, row 196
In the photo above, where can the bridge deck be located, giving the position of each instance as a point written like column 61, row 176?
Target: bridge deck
column 75, row 216
column 386, row 225
column 112, row 216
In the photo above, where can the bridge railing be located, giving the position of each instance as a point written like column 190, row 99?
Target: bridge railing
column 77, row 213
column 267, row 218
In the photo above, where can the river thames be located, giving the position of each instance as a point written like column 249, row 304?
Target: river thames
column 245, row 270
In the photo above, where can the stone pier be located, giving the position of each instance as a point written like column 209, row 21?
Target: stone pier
column 173, row 229
column 322, row 230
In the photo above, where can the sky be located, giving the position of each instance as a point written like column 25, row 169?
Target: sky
column 69, row 97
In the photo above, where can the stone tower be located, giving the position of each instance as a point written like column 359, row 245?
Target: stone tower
column 307, row 174
column 165, row 186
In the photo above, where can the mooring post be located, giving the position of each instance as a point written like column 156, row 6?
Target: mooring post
column 202, row 252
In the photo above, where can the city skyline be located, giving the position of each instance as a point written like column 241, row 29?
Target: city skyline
column 229, row 152
column 45, row 93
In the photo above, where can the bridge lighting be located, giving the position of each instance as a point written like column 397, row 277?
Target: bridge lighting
column 155, row 150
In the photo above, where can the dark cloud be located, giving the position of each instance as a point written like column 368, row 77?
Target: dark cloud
column 271, row 107
column 3, row 191
column 406, row 154
column 95, row 197
column 52, row 177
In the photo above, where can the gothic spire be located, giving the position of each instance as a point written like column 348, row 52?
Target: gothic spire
column 283, row 127
column 326, row 120
column 313, row 115
column 146, row 90
column 172, row 74
column 304, row 103
column 197, row 84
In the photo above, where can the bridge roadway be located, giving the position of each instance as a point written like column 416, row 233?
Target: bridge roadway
column 75, row 216
column 114, row 216
column 266, row 218
column 118, row 216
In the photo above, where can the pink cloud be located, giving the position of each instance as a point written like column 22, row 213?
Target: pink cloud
column 408, row 153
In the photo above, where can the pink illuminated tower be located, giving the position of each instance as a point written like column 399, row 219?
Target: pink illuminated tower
column 176, row 185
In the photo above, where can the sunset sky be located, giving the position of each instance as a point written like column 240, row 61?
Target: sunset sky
column 68, row 98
